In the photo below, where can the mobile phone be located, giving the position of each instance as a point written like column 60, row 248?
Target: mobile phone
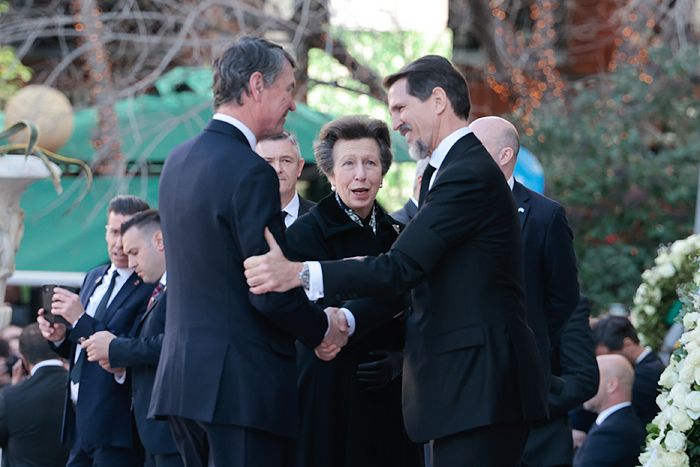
column 46, row 299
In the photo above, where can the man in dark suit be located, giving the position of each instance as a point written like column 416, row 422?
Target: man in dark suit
column 227, row 374
column 616, row 334
column 30, row 412
column 551, row 289
column 283, row 154
column 97, row 416
column 617, row 434
column 406, row 213
column 139, row 351
column 472, row 375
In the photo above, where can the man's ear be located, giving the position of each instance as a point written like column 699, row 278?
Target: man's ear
column 505, row 156
column 256, row 84
column 439, row 99
column 158, row 240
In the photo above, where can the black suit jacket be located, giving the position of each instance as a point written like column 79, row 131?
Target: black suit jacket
column 101, row 415
column 575, row 369
column 470, row 358
column 304, row 206
column 30, row 420
column 646, row 387
column 406, row 213
column 228, row 356
column 139, row 352
column 615, row 443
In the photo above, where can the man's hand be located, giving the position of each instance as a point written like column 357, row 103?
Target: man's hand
column 107, row 367
column 337, row 335
column 97, row 346
column 271, row 272
column 67, row 304
column 18, row 373
column 578, row 437
column 380, row 372
column 51, row 332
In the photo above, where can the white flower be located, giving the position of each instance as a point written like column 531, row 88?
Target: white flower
column 675, row 441
column 697, row 376
column 649, row 310
column 690, row 320
column 680, row 420
column 668, row 378
column 675, row 459
column 692, row 401
column 678, row 393
column 687, row 373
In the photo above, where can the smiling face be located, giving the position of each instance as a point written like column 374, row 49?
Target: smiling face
column 414, row 119
column 277, row 100
column 144, row 248
column 282, row 155
column 357, row 173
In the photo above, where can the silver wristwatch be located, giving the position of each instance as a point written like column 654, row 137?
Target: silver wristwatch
column 304, row 276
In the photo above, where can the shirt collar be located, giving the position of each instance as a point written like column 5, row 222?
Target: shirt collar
column 238, row 124
column 511, row 182
column 43, row 363
column 643, row 355
column 445, row 145
column 610, row 410
column 414, row 201
column 124, row 273
column 163, row 279
column 292, row 208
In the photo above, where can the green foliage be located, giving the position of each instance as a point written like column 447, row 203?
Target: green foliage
column 12, row 73
column 622, row 155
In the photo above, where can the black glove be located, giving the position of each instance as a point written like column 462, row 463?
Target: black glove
column 378, row 373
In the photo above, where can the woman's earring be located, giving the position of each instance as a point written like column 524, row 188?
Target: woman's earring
column 332, row 187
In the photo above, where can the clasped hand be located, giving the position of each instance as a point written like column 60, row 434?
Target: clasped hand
column 337, row 336
column 271, row 272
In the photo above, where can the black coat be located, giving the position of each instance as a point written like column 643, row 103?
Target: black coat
column 30, row 420
column 470, row 358
column 614, row 443
column 139, row 352
column 343, row 423
column 646, row 387
column 102, row 416
column 228, row 356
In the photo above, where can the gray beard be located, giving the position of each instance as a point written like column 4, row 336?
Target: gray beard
column 418, row 150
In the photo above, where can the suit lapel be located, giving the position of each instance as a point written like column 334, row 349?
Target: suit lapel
column 92, row 285
column 148, row 311
column 522, row 200
column 129, row 286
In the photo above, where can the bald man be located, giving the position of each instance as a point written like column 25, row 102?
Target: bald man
column 616, row 437
column 552, row 293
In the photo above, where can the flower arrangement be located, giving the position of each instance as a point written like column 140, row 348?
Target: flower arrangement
column 657, row 293
column 673, row 438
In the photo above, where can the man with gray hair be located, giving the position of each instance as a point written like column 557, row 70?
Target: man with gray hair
column 227, row 375
column 283, row 154
column 410, row 209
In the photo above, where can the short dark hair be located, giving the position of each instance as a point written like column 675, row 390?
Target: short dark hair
column 33, row 346
column 349, row 128
column 144, row 219
column 431, row 71
column 284, row 136
column 233, row 68
column 127, row 205
column 611, row 332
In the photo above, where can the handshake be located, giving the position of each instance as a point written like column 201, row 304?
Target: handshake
column 336, row 336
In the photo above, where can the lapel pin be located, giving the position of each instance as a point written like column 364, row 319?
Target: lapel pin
column 521, row 210
column 136, row 282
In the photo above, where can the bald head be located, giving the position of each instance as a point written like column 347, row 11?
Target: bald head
column 615, row 386
column 501, row 140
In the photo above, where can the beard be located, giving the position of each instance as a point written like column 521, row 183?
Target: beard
column 418, row 150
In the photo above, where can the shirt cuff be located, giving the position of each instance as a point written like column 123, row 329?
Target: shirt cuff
column 120, row 378
column 350, row 318
column 315, row 291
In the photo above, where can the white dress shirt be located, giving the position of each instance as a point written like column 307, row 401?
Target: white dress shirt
column 238, row 124
column 316, row 291
column 292, row 210
column 611, row 410
column 93, row 302
column 643, row 355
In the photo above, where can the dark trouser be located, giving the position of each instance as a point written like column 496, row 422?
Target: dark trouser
column 206, row 444
column 163, row 460
column 488, row 446
column 103, row 456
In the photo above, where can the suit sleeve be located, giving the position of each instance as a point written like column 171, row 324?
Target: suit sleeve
column 85, row 327
column 135, row 351
column 439, row 225
column 254, row 209
column 579, row 368
column 4, row 432
column 561, row 275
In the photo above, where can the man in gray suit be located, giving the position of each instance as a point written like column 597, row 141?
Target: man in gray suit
column 406, row 213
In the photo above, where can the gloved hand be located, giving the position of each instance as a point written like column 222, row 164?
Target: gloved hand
column 378, row 373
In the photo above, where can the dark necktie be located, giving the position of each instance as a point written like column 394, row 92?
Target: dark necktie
column 154, row 296
column 425, row 184
column 99, row 314
column 283, row 216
